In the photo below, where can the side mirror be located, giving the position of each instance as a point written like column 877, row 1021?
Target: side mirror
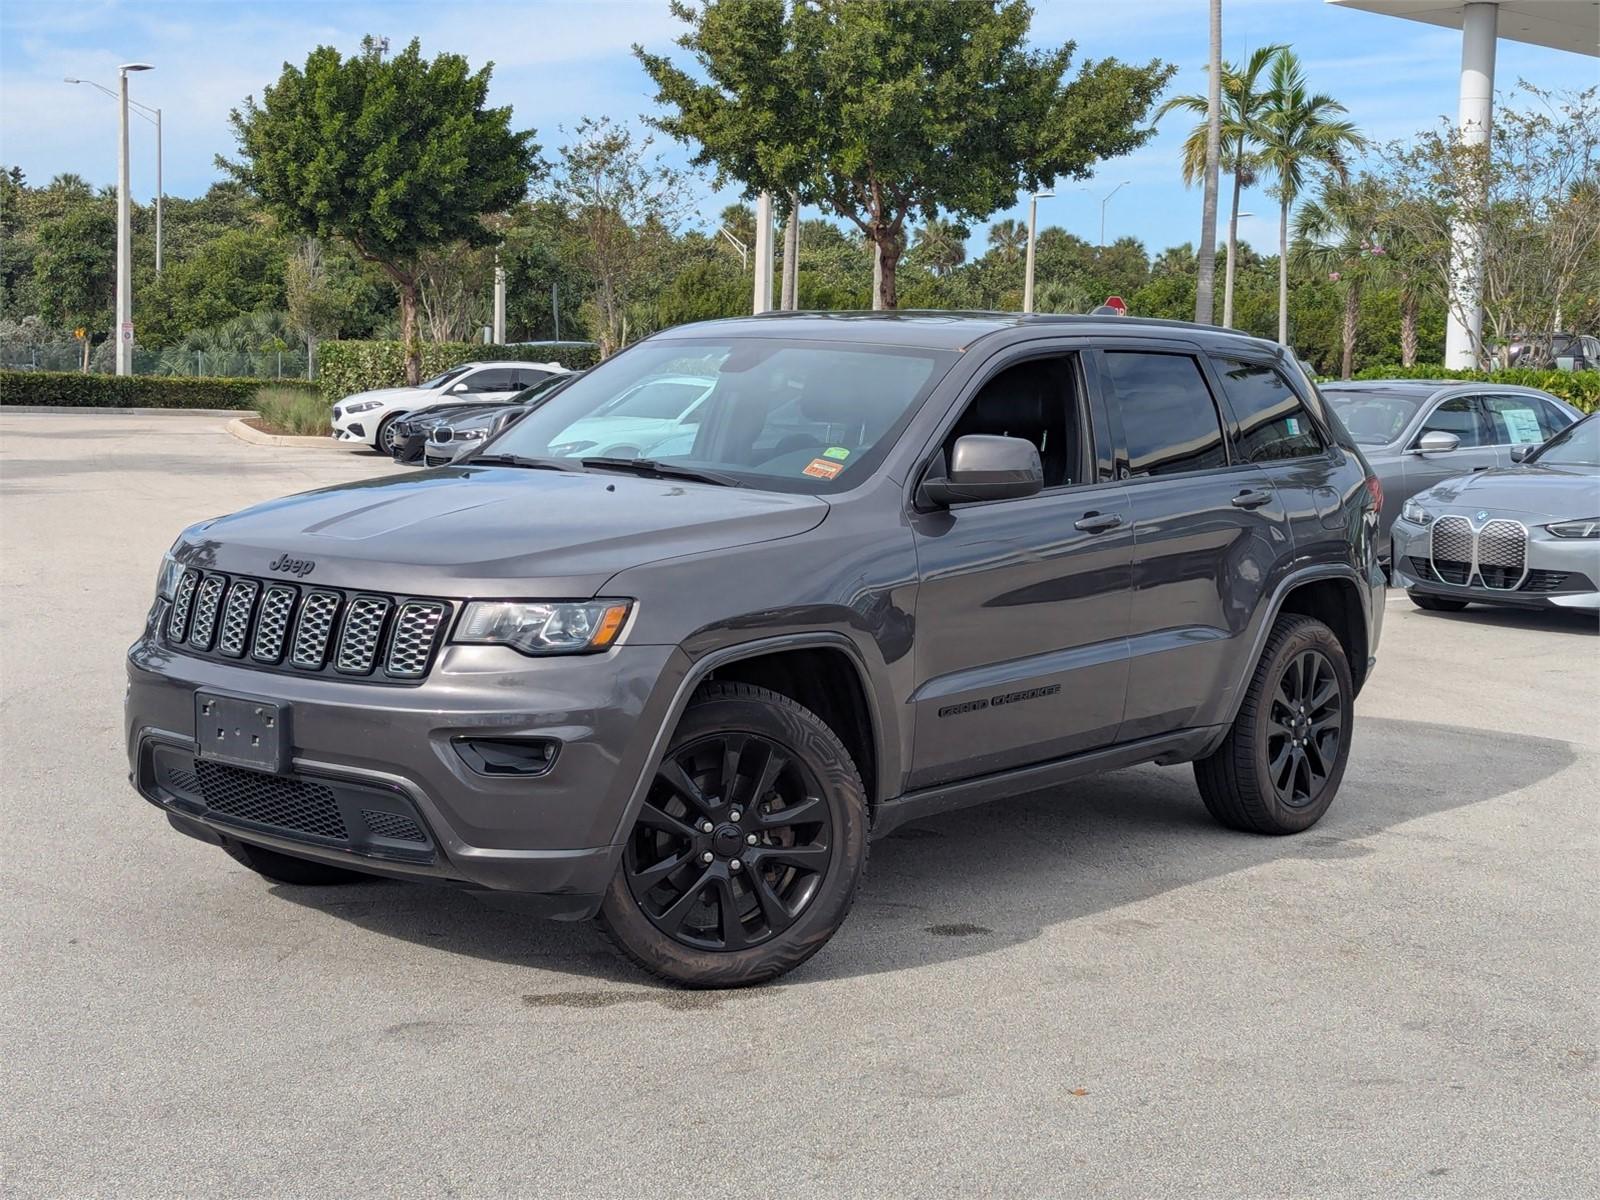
column 1437, row 441
column 458, row 388
column 1520, row 453
column 983, row 467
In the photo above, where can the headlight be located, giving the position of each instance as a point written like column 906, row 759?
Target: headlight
column 363, row 406
column 553, row 627
column 471, row 435
column 167, row 578
column 1589, row 527
column 1415, row 513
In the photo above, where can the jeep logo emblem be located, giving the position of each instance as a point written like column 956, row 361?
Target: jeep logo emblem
column 292, row 566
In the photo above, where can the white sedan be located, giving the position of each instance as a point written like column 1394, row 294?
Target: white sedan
column 367, row 418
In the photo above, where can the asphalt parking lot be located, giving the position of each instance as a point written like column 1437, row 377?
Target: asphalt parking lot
column 1093, row 992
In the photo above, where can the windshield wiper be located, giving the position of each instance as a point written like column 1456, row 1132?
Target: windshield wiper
column 518, row 460
column 661, row 470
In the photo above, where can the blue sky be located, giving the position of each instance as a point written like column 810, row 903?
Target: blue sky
column 558, row 60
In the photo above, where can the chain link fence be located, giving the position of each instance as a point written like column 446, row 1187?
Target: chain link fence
column 235, row 364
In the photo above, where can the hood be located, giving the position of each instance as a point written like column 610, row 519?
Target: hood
column 494, row 531
column 1551, row 493
column 452, row 414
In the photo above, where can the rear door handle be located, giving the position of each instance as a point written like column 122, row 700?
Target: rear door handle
column 1252, row 498
column 1097, row 522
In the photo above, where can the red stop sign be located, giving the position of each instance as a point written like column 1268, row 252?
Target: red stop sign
column 1118, row 303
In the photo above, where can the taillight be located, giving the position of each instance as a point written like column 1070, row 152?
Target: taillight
column 1375, row 488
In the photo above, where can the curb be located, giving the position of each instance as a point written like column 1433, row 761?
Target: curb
column 255, row 437
column 94, row 409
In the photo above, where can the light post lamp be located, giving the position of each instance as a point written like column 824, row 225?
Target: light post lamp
column 1105, row 200
column 153, row 115
column 1033, row 224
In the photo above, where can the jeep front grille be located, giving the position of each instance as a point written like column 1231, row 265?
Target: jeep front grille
column 283, row 626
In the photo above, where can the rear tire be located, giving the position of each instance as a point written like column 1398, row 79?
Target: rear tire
column 1280, row 766
column 284, row 868
column 786, row 844
column 1436, row 603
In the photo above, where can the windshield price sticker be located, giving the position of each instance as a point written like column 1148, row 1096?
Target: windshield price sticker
column 822, row 468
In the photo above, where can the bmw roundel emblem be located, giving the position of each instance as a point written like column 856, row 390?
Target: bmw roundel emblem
column 1482, row 515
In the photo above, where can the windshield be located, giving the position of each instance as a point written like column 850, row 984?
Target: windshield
column 1373, row 418
column 543, row 388
column 1575, row 446
column 785, row 416
column 438, row 381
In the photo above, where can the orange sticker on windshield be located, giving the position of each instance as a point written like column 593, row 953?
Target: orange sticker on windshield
column 822, row 468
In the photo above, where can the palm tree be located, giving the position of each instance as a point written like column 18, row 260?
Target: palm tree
column 1243, row 102
column 1337, row 231
column 1009, row 238
column 1298, row 129
column 940, row 245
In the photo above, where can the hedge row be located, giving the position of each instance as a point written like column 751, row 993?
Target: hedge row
column 346, row 367
column 1581, row 389
column 70, row 388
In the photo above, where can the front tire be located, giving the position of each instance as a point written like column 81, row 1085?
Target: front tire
column 1280, row 766
column 383, row 442
column 284, row 868
column 1436, row 603
column 750, row 846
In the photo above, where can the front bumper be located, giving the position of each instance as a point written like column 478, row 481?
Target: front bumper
column 384, row 755
column 356, row 428
column 1560, row 572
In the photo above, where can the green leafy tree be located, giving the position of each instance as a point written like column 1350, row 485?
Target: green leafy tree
column 396, row 155
column 1336, row 234
column 1299, row 129
column 1009, row 239
column 894, row 110
column 1244, row 101
column 622, row 204
column 940, row 246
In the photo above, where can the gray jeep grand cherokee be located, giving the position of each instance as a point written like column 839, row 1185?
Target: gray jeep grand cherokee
column 893, row 564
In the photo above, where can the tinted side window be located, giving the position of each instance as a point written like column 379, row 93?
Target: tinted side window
column 1168, row 417
column 1272, row 422
column 1460, row 417
column 495, row 379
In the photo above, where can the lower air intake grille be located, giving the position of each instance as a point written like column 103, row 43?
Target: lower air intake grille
column 306, row 808
column 1545, row 581
column 393, row 825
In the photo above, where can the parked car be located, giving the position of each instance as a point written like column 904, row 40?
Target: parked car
column 910, row 562
column 1527, row 536
column 1565, row 351
column 368, row 418
column 1418, row 432
column 412, row 430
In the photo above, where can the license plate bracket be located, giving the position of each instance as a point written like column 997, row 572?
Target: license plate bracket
column 242, row 731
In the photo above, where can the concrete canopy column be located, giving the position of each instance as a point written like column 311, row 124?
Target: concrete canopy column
column 1464, row 323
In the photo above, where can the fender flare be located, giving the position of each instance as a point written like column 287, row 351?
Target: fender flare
column 707, row 663
column 1270, row 612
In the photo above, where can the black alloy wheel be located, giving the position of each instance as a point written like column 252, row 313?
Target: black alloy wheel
column 1305, row 728
column 732, row 843
column 1280, row 764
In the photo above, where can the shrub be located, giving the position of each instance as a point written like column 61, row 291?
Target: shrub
column 1581, row 389
column 70, row 389
column 346, row 367
column 292, row 410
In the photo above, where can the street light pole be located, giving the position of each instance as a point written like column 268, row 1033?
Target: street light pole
column 153, row 115
column 1105, row 200
column 1033, row 224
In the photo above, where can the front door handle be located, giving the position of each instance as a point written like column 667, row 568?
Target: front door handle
column 1252, row 498
column 1096, row 522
